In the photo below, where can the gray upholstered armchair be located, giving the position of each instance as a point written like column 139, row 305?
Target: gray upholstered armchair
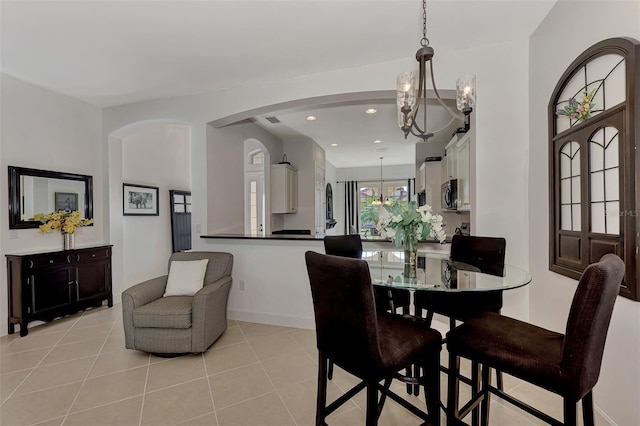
column 178, row 324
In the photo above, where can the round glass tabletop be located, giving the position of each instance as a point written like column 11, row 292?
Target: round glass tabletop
column 436, row 272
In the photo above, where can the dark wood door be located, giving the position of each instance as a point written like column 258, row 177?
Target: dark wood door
column 180, row 205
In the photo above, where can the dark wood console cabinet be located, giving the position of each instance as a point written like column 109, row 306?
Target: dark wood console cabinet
column 45, row 285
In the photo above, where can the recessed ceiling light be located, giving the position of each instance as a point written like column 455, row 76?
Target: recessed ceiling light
column 371, row 110
column 377, row 141
column 334, row 144
column 311, row 117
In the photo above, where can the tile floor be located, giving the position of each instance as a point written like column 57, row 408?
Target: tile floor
column 76, row 371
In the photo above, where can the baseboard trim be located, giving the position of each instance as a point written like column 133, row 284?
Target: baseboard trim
column 272, row 319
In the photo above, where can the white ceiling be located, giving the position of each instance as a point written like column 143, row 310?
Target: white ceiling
column 109, row 53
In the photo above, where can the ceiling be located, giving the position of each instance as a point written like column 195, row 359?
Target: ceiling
column 109, row 53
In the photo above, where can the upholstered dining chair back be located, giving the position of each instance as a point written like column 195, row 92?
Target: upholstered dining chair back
column 343, row 245
column 345, row 313
column 486, row 253
column 370, row 345
column 567, row 365
column 588, row 322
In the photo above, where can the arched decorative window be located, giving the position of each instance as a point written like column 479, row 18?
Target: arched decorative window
column 594, row 161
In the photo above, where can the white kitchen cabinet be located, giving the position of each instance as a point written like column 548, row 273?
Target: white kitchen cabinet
column 420, row 179
column 432, row 184
column 463, row 149
column 284, row 188
column 449, row 164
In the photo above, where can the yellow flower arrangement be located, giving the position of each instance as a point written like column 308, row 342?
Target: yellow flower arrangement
column 61, row 221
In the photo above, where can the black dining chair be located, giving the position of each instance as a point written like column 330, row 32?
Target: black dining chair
column 370, row 345
column 485, row 253
column 387, row 299
column 565, row 364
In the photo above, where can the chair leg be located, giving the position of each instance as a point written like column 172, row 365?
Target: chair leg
column 485, row 405
column 499, row 380
column 321, row 403
column 431, row 368
column 372, row 404
column 587, row 410
column 453, row 389
column 570, row 412
column 330, row 370
column 475, row 389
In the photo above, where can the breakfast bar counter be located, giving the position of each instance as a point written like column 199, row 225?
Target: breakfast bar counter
column 270, row 281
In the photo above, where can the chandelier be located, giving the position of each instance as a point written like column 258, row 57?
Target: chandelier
column 380, row 200
column 411, row 98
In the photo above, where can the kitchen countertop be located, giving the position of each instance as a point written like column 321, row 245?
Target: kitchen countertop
column 297, row 237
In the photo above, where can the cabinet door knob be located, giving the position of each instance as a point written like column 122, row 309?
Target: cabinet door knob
column 50, row 261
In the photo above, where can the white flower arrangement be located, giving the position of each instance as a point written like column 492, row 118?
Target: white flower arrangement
column 411, row 225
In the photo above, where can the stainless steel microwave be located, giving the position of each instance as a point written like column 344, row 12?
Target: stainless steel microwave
column 449, row 195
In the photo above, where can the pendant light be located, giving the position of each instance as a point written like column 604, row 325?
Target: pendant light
column 380, row 200
column 410, row 97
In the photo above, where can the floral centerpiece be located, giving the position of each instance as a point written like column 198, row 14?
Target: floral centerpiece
column 579, row 111
column 65, row 222
column 405, row 227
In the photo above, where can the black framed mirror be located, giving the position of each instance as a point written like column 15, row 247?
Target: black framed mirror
column 34, row 191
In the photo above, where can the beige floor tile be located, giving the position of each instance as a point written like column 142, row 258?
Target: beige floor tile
column 274, row 345
column 232, row 387
column 115, row 342
column 58, row 324
column 354, row 416
column 120, row 360
column 110, row 388
column 305, row 338
column 22, row 360
column 300, row 399
column 231, row 336
column 7, row 339
column 266, row 410
column 121, row 413
column 47, row 376
column 87, row 333
column 177, row 404
column 228, row 357
column 10, row 382
column 33, row 342
column 289, row 369
column 67, row 352
column 38, row 406
column 206, row 420
column 52, row 422
column 175, row 371
column 252, row 330
column 98, row 317
column 209, row 419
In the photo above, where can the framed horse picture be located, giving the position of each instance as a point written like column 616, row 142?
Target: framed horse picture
column 139, row 200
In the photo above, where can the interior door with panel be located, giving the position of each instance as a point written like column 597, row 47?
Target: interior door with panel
column 180, row 207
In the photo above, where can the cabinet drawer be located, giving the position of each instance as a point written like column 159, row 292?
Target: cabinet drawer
column 92, row 254
column 52, row 259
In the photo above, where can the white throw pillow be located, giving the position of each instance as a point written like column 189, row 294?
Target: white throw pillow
column 185, row 277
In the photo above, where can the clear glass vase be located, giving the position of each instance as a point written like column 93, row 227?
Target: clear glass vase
column 410, row 245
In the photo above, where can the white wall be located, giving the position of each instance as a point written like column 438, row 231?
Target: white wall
column 560, row 38
column 225, row 174
column 43, row 130
column 156, row 155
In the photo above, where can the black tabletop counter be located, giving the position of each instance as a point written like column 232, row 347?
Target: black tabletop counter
column 296, row 237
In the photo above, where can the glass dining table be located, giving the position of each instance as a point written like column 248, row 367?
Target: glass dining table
column 436, row 272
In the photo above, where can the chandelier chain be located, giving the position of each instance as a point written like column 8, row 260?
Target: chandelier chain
column 425, row 40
